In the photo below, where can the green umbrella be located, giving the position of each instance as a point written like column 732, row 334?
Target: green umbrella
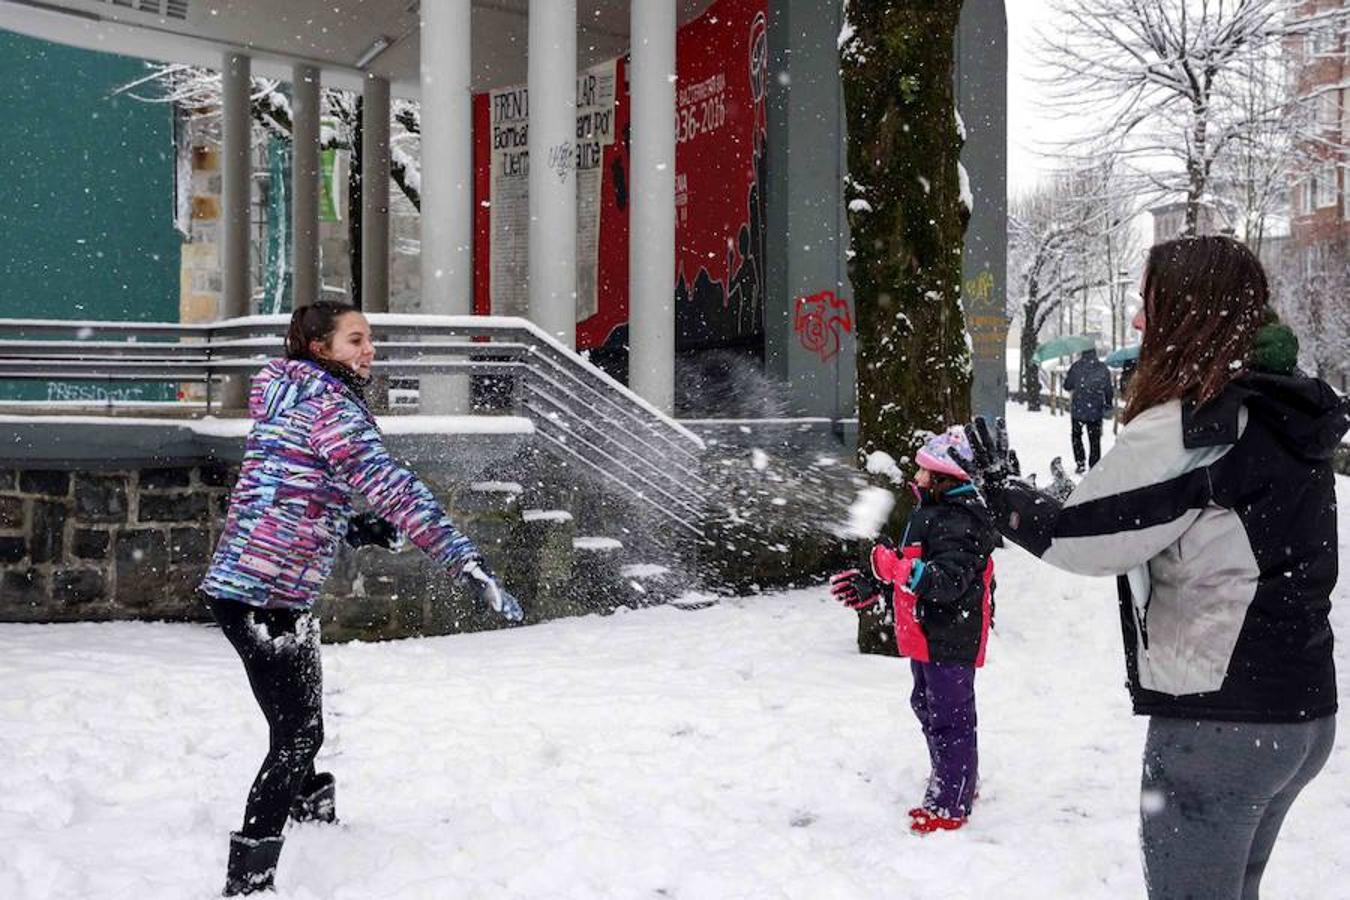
column 1118, row 358
column 1067, row 345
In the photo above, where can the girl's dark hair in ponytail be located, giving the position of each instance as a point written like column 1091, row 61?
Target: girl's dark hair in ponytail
column 315, row 322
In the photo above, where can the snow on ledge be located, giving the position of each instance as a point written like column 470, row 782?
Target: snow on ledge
column 547, row 515
column 605, row 544
column 455, row 425
column 497, row 487
column 643, row 570
column 800, row 420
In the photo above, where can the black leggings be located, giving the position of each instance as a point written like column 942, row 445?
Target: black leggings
column 1094, row 435
column 280, row 652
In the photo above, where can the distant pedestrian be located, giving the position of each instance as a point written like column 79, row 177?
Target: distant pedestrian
column 1089, row 380
column 940, row 583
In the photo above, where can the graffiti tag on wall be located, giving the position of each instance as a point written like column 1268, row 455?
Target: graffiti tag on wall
column 66, row 391
column 986, row 320
column 819, row 320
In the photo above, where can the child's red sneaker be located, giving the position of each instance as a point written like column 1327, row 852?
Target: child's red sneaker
column 926, row 822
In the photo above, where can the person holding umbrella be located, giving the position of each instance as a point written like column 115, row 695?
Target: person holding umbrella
column 1089, row 380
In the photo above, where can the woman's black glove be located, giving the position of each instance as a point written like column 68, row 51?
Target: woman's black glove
column 991, row 463
column 368, row 528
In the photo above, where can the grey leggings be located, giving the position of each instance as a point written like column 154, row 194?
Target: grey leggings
column 1213, row 797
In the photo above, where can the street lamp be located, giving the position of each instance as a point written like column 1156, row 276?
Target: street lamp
column 1123, row 285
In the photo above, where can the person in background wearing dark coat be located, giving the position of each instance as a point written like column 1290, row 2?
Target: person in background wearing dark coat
column 1090, row 383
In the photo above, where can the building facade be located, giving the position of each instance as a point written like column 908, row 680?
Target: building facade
column 768, row 283
column 1314, row 287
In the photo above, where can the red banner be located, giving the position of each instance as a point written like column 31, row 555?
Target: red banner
column 721, row 61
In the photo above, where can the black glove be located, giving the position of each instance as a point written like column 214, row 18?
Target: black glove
column 991, row 463
column 486, row 588
column 1061, row 486
column 855, row 589
column 368, row 528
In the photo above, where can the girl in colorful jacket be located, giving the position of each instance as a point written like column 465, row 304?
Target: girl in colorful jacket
column 940, row 581
column 314, row 445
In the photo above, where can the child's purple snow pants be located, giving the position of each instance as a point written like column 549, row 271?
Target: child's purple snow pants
column 944, row 702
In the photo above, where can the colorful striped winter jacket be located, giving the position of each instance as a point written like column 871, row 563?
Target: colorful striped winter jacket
column 312, row 446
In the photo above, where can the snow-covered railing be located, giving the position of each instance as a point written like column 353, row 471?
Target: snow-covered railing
column 578, row 411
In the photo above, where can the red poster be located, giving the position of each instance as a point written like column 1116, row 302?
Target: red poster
column 722, row 61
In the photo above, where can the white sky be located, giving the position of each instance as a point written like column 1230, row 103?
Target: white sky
column 1029, row 123
column 1033, row 128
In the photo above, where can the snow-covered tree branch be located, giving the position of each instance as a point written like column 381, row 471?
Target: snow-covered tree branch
column 1168, row 85
column 1069, row 236
column 197, row 90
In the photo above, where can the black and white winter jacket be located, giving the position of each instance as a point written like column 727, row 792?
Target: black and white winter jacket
column 1221, row 525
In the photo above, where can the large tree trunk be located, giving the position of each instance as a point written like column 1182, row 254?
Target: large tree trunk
column 914, row 371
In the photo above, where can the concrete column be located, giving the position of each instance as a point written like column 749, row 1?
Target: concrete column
column 651, row 248
column 375, row 194
column 235, row 186
column 981, row 69
column 447, row 152
column 447, row 183
column 236, row 165
column 553, row 186
column 806, row 225
column 305, row 183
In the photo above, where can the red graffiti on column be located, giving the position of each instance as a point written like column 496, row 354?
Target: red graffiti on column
column 819, row 319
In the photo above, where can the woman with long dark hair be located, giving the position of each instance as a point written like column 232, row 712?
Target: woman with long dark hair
column 1216, row 509
column 313, row 447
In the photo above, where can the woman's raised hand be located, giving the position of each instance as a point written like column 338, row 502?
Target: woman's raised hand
column 992, row 463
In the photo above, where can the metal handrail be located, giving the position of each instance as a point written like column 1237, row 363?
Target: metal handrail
column 580, row 411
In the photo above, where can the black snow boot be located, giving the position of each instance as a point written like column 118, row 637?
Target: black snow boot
column 252, row 866
column 317, row 800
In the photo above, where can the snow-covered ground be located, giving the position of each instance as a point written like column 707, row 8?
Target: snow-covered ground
column 740, row 751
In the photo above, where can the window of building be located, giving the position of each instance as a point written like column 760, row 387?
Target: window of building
column 1328, row 110
column 1322, row 40
column 1303, row 196
column 1324, row 186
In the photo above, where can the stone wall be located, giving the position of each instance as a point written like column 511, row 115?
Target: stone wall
column 92, row 532
column 134, row 542
column 128, row 543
